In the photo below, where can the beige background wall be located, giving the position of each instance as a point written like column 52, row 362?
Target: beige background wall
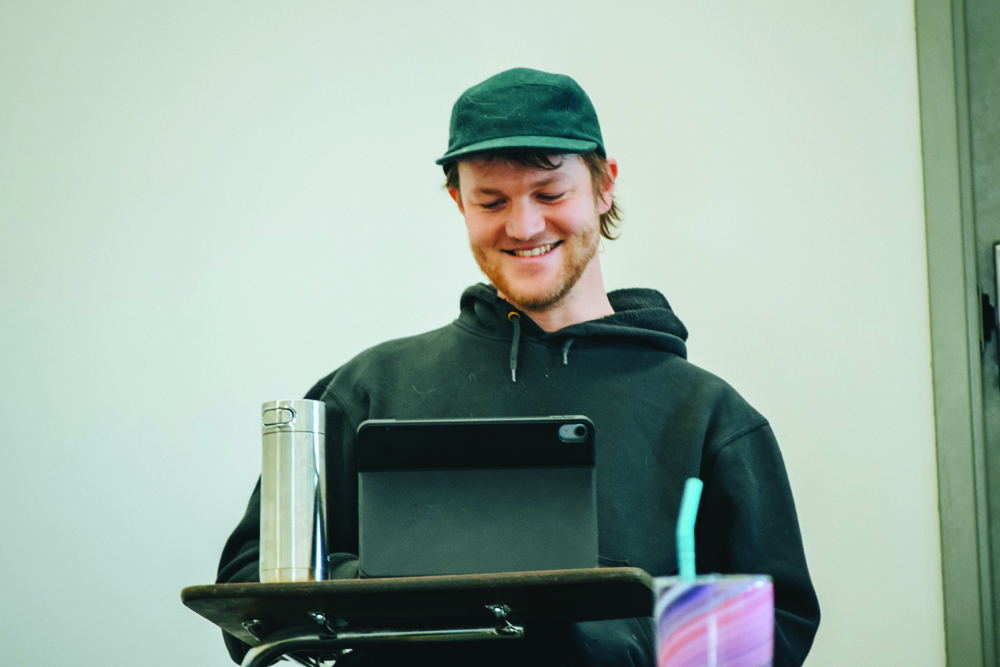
column 206, row 205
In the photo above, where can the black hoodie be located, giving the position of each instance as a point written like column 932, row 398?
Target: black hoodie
column 659, row 420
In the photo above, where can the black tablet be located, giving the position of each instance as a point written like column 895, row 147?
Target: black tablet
column 469, row 496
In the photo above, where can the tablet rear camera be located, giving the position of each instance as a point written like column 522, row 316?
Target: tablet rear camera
column 573, row 432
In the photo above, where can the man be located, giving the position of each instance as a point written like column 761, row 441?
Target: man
column 527, row 169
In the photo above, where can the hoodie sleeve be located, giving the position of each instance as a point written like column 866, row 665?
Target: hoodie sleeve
column 240, row 561
column 747, row 524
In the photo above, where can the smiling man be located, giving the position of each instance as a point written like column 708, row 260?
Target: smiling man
column 527, row 168
column 534, row 232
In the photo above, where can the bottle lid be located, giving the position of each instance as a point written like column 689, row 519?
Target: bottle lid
column 293, row 415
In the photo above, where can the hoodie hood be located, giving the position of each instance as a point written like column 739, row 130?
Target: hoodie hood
column 641, row 317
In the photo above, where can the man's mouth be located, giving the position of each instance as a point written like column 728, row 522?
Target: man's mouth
column 534, row 252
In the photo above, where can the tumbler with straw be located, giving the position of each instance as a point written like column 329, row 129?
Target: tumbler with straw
column 711, row 620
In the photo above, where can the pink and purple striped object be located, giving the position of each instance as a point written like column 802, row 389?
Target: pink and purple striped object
column 715, row 621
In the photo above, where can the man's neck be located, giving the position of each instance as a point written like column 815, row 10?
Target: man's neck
column 585, row 301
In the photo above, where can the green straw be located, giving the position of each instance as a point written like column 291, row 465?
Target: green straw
column 685, row 527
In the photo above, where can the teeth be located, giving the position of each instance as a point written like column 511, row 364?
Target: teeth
column 534, row 252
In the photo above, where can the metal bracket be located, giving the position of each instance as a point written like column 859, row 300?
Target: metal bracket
column 335, row 628
column 256, row 627
column 330, row 637
column 500, row 611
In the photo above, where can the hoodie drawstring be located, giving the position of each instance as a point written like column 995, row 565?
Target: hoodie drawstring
column 516, row 321
column 569, row 341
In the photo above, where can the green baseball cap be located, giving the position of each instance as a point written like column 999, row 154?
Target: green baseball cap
column 523, row 109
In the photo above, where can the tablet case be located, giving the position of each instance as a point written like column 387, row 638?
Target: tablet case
column 441, row 497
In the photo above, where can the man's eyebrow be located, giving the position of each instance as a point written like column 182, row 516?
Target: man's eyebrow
column 537, row 184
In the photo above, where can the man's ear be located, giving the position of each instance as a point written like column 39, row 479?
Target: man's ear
column 608, row 185
column 457, row 196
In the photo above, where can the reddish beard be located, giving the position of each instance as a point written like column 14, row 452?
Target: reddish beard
column 577, row 253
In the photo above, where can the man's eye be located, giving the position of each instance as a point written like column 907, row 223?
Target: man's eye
column 491, row 205
column 551, row 197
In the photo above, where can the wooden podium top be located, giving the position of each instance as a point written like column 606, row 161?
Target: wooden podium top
column 552, row 596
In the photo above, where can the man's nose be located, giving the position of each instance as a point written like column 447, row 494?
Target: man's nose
column 525, row 221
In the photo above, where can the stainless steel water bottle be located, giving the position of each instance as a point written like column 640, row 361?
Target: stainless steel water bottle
column 293, row 491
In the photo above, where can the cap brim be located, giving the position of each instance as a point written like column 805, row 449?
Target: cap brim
column 555, row 144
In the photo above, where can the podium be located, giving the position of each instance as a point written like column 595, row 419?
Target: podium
column 318, row 619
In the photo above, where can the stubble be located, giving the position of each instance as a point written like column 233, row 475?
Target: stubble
column 577, row 253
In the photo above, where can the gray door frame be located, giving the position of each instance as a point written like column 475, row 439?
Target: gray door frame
column 956, row 331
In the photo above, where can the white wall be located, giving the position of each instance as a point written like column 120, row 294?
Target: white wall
column 206, row 205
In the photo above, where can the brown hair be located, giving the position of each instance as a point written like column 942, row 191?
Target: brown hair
column 596, row 164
